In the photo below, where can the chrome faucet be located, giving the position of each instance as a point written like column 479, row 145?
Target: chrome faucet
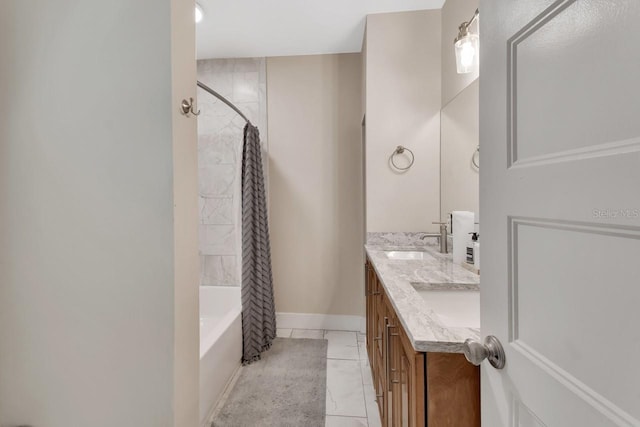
column 442, row 236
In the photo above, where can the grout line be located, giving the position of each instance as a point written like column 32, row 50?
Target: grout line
column 344, row 416
column 372, row 388
column 364, row 393
column 364, row 398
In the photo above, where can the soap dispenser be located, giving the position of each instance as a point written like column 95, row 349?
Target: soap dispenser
column 473, row 247
column 476, row 254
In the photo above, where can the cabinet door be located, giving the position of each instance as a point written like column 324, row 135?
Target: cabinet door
column 379, row 356
column 409, row 404
column 369, row 312
column 372, row 290
column 402, row 393
column 378, row 328
column 390, row 362
column 453, row 390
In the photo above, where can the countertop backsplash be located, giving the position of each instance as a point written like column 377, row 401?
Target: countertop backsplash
column 400, row 239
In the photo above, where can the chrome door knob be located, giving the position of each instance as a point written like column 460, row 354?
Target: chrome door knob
column 491, row 349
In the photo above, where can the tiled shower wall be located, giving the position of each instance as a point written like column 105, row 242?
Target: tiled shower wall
column 220, row 136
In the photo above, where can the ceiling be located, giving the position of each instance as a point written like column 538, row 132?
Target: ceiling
column 257, row 28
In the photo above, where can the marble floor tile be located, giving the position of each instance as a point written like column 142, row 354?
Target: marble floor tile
column 373, row 416
column 342, row 345
column 283, row 333
column 345, row 394
column 333, row 421
column 308, row 333
column 365, row 368
column 362, row 350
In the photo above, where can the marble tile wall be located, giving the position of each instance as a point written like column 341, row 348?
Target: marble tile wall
column 220, row 136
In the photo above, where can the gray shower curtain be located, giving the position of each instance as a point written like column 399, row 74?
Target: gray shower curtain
column 258, row 309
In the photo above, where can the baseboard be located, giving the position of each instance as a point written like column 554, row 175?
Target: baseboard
column 216, row 407
column 334, row 322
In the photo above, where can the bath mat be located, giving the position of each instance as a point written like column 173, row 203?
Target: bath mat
column 286, row 388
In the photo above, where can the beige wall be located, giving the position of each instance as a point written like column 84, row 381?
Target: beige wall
column 454, row 13
column 186, row 390
column 363, row 114
column 403, row 108
column 460, row 136
column 315, row 183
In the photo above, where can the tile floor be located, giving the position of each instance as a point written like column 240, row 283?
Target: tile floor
column 350, row 395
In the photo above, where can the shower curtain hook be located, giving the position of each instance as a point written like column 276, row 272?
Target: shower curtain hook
column 187, row 107
column 195, row 113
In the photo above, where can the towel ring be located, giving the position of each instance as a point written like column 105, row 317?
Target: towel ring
column 400, row 150
column 474, row 156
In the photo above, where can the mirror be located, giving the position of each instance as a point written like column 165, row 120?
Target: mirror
column 459, row 140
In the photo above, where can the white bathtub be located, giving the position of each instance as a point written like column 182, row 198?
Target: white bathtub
column 220, row 343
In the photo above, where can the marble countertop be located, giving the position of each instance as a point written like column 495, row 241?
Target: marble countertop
column 426, row 329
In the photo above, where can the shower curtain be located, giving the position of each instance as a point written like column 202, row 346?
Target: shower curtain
column 258, row 308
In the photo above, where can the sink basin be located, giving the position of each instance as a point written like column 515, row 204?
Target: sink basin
column 408, row 255
column 457, row 308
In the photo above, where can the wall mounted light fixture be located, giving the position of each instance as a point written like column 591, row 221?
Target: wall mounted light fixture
column 467, row 48
column 199, row 13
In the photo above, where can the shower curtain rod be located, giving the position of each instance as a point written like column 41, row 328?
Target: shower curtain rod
column 223, row 99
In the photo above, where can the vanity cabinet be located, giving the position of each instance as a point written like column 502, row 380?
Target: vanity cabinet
column 415, row 389
column 370, row 294
column 379, row 322
column 408, row 378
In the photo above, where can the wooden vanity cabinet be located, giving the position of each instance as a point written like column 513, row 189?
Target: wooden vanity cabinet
column 453, row 390
column 415, row 389
column 370, row 292
column 380, row 320
column 381, row 353
column 409, row 384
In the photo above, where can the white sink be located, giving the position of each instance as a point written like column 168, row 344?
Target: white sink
column 408, row 255
column 456, row 308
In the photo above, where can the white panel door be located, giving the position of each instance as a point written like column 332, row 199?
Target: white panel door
column 560, row 208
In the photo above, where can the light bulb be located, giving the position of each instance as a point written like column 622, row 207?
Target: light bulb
column 199, row 13
column 467, row 54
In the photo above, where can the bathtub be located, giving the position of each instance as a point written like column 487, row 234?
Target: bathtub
column 220, row 343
